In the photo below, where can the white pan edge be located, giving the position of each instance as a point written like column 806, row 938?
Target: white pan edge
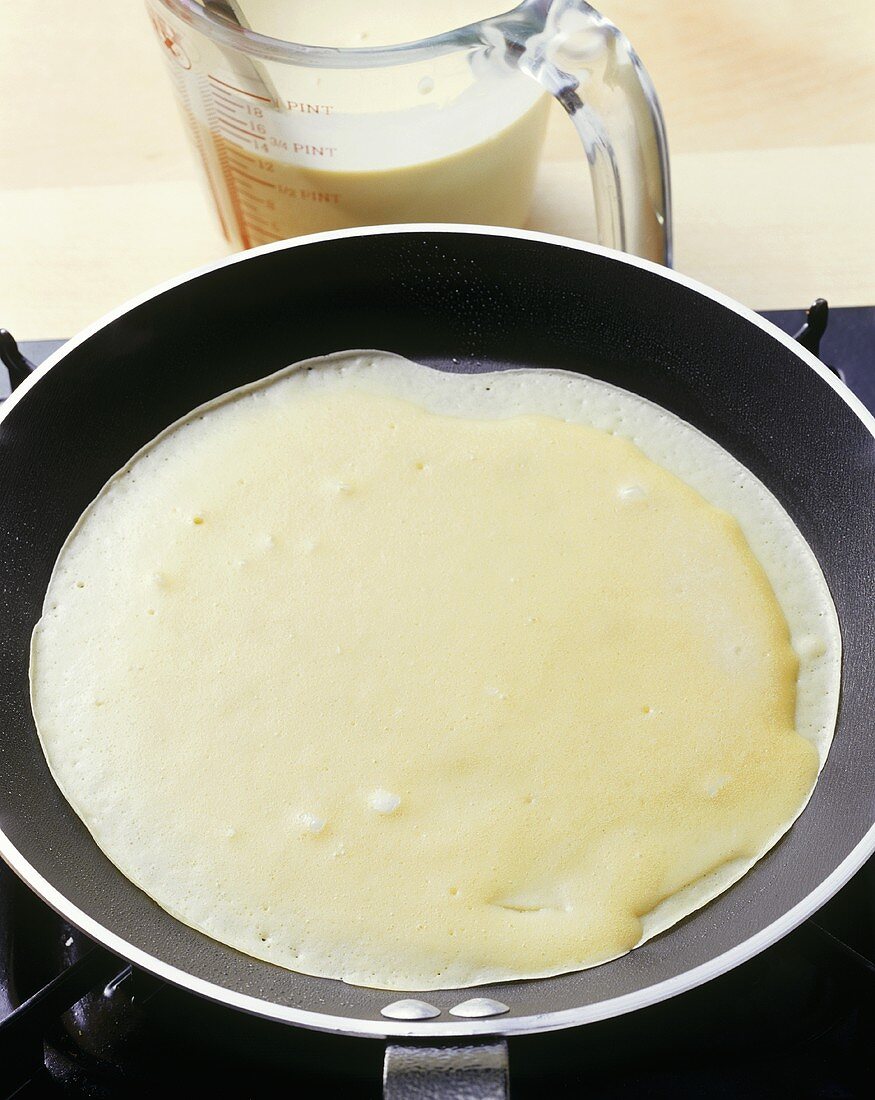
column 516, row 1025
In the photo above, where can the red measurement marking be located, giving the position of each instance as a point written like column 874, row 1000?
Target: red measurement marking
column 240, row 129
column 225, row 123
column 255, row 179
column 228, row 177
column 195, row 133
column 263, row 98
column 229, row 120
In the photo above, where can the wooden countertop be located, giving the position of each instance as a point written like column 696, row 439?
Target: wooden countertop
column 768, row 107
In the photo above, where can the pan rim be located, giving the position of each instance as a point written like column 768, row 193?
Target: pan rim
column 384, row 1028
column 401, row 228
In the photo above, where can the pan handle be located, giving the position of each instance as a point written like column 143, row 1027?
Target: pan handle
column 18, row 366
column 478, row 1071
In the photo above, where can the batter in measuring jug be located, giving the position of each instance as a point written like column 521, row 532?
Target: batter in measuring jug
column 352, row 24
column 292, row 149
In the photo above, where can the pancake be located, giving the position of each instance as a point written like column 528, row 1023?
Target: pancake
column 422, row 680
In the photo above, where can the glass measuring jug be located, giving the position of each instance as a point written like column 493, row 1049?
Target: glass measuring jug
column 295, row 138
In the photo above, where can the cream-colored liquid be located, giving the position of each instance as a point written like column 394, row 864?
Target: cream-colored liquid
column 422, row 681
column 487, row 184
column 359, row 24
column 444, row 139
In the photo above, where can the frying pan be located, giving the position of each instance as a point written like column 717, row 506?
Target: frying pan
column 459, row 298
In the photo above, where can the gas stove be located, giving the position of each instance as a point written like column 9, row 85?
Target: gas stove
column 795, row 1021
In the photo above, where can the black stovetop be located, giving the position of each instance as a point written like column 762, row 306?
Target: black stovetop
column 796, row 1021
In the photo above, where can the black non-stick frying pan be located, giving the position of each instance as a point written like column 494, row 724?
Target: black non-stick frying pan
column 462, row 299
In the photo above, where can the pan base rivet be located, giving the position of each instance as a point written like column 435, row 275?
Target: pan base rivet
column 410, row 1010
column 478, row 1008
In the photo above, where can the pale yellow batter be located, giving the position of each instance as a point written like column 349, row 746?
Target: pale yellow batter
column 421, row 681
column 356, row 24
column 450, row 137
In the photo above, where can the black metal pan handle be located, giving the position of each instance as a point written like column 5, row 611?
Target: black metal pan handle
column 478, row 1071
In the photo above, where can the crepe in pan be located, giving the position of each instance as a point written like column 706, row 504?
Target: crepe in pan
column 424, row 680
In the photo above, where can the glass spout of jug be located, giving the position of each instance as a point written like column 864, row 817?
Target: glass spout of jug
column 347, row 131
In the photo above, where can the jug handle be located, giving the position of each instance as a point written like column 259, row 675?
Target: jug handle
column 589, row 65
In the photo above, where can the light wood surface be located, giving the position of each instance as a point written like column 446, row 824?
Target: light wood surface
column 768, row 106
